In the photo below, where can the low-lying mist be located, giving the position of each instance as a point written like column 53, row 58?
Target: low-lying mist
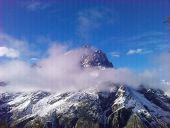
column 61, row 71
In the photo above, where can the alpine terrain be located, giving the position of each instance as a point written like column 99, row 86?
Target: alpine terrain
column 118, row 106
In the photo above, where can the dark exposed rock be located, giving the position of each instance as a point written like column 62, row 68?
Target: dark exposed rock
column 119, row 118
column 135, row 122
column 157, row 97
column 94, row 58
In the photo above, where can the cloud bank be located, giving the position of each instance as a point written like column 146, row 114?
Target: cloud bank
column 138, row 51
column 13, row 47
column 60, row 71
column 9, row 52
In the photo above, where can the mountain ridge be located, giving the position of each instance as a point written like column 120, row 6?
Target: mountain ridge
column 111, row 108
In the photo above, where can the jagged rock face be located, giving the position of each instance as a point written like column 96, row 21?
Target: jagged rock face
column 94, row 58
column 120, row 106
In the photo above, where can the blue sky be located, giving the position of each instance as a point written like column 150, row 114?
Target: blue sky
column 129, row 31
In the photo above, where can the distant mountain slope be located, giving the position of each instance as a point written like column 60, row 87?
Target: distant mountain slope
column 119, row 106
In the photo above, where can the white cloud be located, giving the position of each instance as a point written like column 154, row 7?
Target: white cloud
column 138, row 51
column 16, row 46
column 34, row 59
column 92, row 19
column 9, row 52
column 164, row 65
column 35, row 5
column 115, row 54
column 135, row 51
column 60, row 71
column 149, row 41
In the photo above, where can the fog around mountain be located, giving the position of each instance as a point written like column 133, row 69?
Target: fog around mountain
column 60, row 71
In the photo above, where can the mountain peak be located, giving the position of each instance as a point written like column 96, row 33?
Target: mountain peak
column 93, row 57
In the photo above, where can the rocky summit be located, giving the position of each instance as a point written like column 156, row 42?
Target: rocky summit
column 93, row 57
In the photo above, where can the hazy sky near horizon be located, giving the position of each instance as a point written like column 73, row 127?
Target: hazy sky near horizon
column 131, row 32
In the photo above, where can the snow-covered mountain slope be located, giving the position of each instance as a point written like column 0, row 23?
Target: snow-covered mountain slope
column 119, row 106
